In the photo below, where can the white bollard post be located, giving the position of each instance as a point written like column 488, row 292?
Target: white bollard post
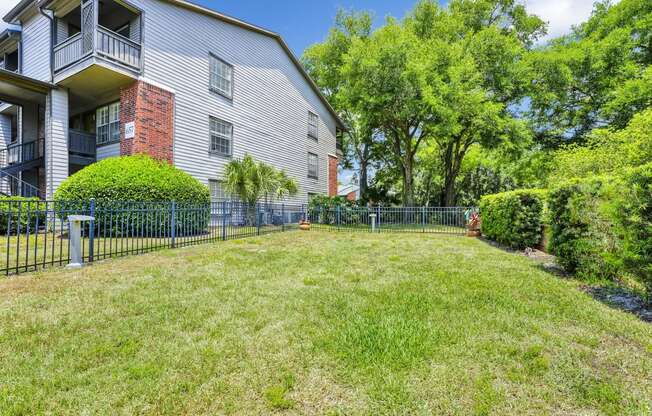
column 74, row 231
column 373, row 222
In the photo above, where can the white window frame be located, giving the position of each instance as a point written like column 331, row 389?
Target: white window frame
column 107, row 124
column 311, row 157
column 313, row 125
column 220, row 72
column 214, row 132
column 216, row 184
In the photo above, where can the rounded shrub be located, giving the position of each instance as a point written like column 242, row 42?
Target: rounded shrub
column 514, row 218
column 136, row 196
column 133, row 178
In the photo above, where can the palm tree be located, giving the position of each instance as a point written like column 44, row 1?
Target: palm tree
column 254, row 181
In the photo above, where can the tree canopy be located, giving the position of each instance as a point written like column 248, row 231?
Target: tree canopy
column 450, row 102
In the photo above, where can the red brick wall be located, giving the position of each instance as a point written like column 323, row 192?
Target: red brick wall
column 332, row 175
column 152, row 110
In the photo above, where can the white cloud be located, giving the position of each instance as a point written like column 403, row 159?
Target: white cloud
column 560, row 14
column 5, row 6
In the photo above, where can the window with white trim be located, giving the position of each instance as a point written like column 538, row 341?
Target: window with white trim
column 313, row 166
column 313, row 125
column 107, row 123
column 221, row 137
column 221, row 77
column 218, row 190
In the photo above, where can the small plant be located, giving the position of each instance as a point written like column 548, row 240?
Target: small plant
column 473, row 224
column 304, row 225
column 472, row 220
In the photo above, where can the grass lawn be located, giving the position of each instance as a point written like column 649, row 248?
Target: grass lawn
column 318, row 323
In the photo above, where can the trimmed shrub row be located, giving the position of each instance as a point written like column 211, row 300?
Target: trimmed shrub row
column 17, row 214
column 600, row 227
column 514, row 218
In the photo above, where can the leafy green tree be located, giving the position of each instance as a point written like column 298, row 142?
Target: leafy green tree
column 607, row 151
column 252, row 181
column 446, row 78
column 598, row 76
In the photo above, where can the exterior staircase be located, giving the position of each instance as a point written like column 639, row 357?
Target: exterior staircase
column 17, row 158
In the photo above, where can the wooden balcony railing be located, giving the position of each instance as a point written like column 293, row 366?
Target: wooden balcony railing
column 68, row 52
column 108, row 45
column 114, row 46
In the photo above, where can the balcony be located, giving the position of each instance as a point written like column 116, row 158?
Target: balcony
column 107, row 44
column 91, row 32
column 82, row 149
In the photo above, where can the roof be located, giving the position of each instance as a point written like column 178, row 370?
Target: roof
column 347, row 189
column 15, row 12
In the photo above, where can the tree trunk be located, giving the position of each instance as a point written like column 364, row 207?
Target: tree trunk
column 408, row 183
column 449, row 191
column 363, row 178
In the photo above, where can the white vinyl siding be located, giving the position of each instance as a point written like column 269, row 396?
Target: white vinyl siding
column 108, row 124
column 270, row 103
column 36, row 44
column 313, row 166
column 107, row 151
column 313, row 125
column 221, row 137
column 221, row 77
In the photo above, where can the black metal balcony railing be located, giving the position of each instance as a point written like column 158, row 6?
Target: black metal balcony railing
column 81, row 143
column 13, row 186
column 19, row 153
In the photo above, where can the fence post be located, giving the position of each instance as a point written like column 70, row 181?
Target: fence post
column 423, row 218
column 338, row 215
column 282, row 217
column 257, row 219
column 91, row 233
column 223, row 220
column 378, row 217
column 173, row 224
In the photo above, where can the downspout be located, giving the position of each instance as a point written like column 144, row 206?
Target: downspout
column 52, row 40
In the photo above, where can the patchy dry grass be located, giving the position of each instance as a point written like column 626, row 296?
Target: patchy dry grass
column 318, row 323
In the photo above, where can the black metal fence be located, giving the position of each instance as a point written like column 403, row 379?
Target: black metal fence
column 441, row 220
column 35, row 234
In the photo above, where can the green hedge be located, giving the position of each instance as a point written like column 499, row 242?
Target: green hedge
column 21, row 214
column 633, row 219
column 581, row 220
column 602, row 227
column 323, row 210
column 132, row 196
column 514, row 218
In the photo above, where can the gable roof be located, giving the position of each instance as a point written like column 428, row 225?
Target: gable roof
column 16, row 11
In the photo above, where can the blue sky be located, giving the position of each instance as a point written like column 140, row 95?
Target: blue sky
column 302, row 23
